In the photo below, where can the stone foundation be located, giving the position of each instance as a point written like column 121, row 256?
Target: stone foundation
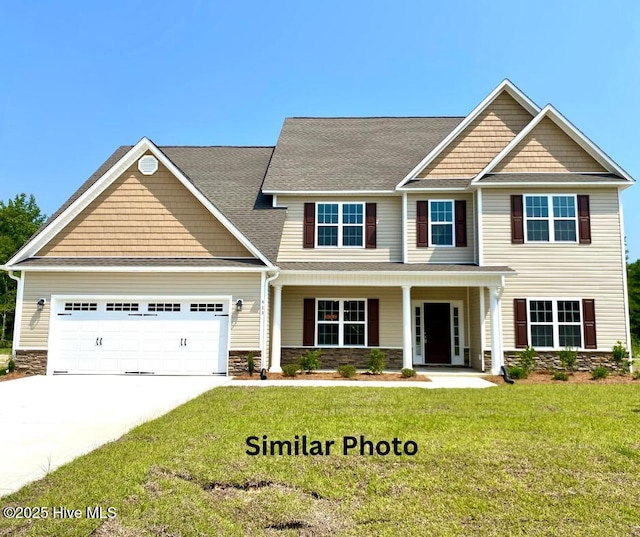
column 31, row 362
column 549, row 361
column 331, row 358
column 238, row 364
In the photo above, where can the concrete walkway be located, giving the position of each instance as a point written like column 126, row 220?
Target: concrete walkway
column 47, row 421
column 437, row 381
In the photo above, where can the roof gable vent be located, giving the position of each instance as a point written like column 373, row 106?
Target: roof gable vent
column 148, row 165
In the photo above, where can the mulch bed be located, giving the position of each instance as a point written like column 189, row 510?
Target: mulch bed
column 579, row 377
column 12, row 376
column 332, row 375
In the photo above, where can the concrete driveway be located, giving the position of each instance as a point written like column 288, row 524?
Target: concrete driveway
column 47, row 421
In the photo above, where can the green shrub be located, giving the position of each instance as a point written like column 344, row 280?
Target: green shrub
column 5, row 344
column 3, row 372
column 527, row 360
column 347, row 371
column 251, row 363
column 568, row 358
column 619, row 356
column 290, row 370
column 600, row 372
column 560, row 375
column 516, row 372
column 636, row 374
column 310, row 360
column 376, row 361
column 11, row 367
column 407, row 372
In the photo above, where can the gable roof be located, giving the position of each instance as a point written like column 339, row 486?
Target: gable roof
column 570, row 130
column 226, row 179
column 351, row 154
column 505, row 86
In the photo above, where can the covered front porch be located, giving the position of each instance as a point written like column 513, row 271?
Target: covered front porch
column 421, row 316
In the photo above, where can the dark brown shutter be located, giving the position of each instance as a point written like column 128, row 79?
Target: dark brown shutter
column 309, row 225
column 520, row 315
column 309, row 323
column 422, row 221
column 461, row 222
column 370, row 225
column 584, row 220
column 589, row 322
column 373, row 323
column 517, row 220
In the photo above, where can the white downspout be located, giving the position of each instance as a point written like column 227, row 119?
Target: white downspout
column 625, row 290
column 405, row 245
column 265, row 320
column 17, row 322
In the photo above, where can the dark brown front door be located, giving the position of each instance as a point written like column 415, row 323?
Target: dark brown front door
column 437, row 333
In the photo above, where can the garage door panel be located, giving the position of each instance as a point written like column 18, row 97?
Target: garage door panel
column 160, row 336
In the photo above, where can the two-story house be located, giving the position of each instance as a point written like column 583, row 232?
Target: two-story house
column 441, row 240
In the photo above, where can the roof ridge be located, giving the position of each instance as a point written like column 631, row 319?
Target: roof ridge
column 375, row 117
column 217, row 146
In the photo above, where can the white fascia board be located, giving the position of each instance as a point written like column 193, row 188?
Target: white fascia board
column 329, row 192
column 569, row 129
column 568, row 184
column 431, row 189
column 106, row 180
column 67, row 268
column 505, row 85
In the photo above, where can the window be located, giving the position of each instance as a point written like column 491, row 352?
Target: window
column 550, row 218
column 341, row 323
column 160, row 306
column 555, row 323
column 441, row 222
column 80, row 306
column 217, row 307
column 122, row 306
column 340, row 224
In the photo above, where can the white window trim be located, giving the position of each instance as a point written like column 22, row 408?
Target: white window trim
column 340, row 224
column 556, row 325
column 453, row 224
column 551, row 218
column 341, row 322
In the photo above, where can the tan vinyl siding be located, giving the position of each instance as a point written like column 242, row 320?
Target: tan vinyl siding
column 547, row 148
column 388, row 231
column 560, row 270
column 390, row 310
column 145, row 215
column 245, row 325
column 439, row 254
column 482, row 140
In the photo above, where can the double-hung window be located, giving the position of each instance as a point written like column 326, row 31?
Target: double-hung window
column 340, row 225
column 341, row 323
column 441, row 220
column 550, row 218
column 555, row 323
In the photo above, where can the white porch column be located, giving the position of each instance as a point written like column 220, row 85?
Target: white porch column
column 407, row 352
column 276, row 332
column 497, row 355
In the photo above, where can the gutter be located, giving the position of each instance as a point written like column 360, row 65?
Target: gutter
column 17, row 320
column 263, row 328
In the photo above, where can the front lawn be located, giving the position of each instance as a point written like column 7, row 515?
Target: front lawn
column 511, row 460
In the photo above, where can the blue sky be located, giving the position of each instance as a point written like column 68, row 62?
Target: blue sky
column 82, row 78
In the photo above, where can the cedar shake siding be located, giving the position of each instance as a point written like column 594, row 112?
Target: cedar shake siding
column 547, row 148
column 482, row 140
column 245, row 325
column 559, row 270
column 145, row 215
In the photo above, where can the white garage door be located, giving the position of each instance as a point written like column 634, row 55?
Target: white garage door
column 162, row 336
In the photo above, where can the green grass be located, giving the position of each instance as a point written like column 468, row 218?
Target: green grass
column 514, row 460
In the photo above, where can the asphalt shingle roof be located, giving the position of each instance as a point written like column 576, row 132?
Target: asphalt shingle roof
column 177, row 262
column 324, row 154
